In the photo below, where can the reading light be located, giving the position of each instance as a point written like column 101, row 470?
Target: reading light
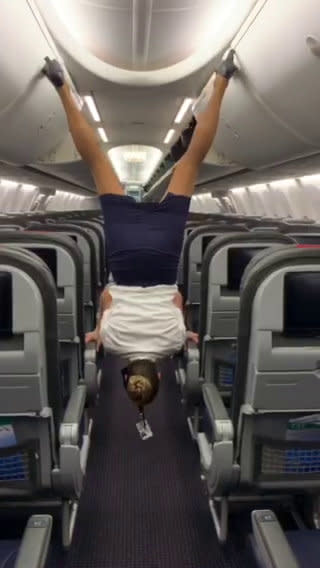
column 102, row 134
column 183, row 109
column 169, row 136
column 92, row 107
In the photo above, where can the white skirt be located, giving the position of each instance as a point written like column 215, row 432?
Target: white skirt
column 143, row 322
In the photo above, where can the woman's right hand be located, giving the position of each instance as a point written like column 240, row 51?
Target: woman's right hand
column 93, row 336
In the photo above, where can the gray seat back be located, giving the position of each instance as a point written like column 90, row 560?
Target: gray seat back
column 64, row 260
column 275, row 401
column 223, row 267
column 304, row 234
column 92, row 230
column 193, row 254
column 86, row 246
column 100, row 242
column 31, row 391
column 87, row 249
column 224, row 263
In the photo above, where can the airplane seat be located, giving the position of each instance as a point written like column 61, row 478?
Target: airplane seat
column 45, row 434
column 269, row 442
column 223, row 266
column 32, row 550
column 86, row 246
column 102, row 250
column 193, row 253
column 263, row 223
column 190, row 226
column 304, row 234
column 263, row 228
column 64, row 260
column 98, row 237
column 10, row 227
column 273, row 547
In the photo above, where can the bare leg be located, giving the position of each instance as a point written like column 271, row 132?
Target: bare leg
column 84, row 136
column 186, row 171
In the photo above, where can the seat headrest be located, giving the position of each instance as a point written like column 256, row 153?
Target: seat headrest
column 310, row 239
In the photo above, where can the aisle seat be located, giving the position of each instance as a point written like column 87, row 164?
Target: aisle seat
column 268, row 443
column 65, row 262
column 275, row 548
column 32, row 550
column 45, row 429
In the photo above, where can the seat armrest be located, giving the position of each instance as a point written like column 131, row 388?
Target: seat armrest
column 192, row 351
column 70, row 427
column 90, row 352
column 35, row 542
column 271, row 542
column 219, row 417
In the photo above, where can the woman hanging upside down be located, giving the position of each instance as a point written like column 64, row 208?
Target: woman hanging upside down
column 141, row 317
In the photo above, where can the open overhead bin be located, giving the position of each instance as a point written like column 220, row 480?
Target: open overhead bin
column 271, row 113
column 32, row 121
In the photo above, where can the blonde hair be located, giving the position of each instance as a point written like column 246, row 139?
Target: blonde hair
column 143, row 382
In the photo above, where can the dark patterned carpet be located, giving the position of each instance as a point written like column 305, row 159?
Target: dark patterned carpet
column 143, row 504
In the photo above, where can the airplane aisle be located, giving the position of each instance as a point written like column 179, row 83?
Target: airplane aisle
column 144, row 505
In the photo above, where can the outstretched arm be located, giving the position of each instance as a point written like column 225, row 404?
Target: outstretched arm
column 105, row 304
column 84, row 136
column 186, row 171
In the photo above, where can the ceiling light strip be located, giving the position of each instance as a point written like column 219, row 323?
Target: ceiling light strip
column 280, row 183
column 102, row 134
column 183, row 110
column 9, row 183
column 169, row 136
column 89, row 100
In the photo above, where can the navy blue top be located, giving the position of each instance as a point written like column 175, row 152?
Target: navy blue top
column 144, row 240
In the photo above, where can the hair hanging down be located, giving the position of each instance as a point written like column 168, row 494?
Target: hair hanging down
column 143, row 382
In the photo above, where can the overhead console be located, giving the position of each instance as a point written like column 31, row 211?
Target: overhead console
column 32, row 120
column 270, row 112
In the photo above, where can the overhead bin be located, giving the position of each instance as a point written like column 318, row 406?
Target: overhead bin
column 124, row 41
column 271, row 111
column 32, row 121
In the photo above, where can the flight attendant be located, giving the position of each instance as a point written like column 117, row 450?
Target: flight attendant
column 141, row 318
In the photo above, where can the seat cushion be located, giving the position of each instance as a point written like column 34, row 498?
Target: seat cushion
column 306, row 546
column 8, row 553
